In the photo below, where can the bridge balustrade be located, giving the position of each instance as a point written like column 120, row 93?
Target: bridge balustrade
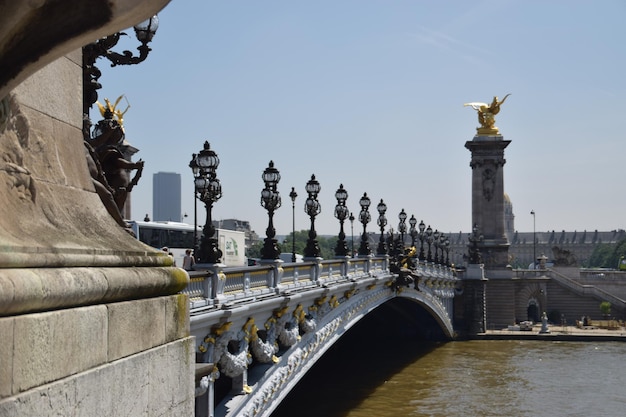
column 219, row 285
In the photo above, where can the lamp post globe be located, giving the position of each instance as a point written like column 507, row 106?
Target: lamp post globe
column 382, row 222
column 208, row 190
column 270, row 200
column 364, row 218
column 312, row 208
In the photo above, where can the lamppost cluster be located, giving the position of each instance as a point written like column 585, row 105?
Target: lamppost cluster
column 208, row 190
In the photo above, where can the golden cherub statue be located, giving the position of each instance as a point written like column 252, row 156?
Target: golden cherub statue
column 486, row 115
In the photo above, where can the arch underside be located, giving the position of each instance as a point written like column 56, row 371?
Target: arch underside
column 274, row 384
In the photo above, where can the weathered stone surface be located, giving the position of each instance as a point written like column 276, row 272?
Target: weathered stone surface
column 135, row 326
column 53, row 345
column 6, row 355
column 37, row 289
column 157, row 382
column 176, row 317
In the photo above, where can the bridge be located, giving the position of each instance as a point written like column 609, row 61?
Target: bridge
column 259, row 329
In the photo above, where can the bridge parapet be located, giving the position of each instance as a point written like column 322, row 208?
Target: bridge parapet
column 264, row 326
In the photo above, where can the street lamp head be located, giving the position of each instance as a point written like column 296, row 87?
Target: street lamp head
column 271, row 176
column 381, row 207
column 422, row 227
column 402, row 216
column 365, row 202
column 313, row 187
column 207, row 159
column 436, row 235
column 341, row 195
column 293, row 195
column 429, row 231
column 147, row 29
column 413, row 222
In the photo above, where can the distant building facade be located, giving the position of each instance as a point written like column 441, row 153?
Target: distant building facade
column 166, row 195
column 563, row 248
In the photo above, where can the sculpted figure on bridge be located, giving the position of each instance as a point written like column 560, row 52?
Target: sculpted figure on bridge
column 111, row 148
column 404, row 265
column 486, row 115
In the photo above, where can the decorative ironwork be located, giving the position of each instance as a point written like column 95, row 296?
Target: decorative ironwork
column 341, row 213
column 144, row 32
column 422, row 227
column 382, row 222
column 208, row 190
column 270, row 200
column 364, row 218
column 293, row 196
column 312, row 207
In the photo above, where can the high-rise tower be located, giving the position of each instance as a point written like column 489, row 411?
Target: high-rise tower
column 166, row 194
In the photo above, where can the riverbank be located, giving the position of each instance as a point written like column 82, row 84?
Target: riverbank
column 557, row 333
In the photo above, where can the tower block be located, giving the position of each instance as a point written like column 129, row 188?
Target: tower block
column 488, row 197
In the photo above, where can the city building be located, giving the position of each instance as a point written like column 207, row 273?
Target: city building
column 166, row 195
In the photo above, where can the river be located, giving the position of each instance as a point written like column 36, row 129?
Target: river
column 465, row 378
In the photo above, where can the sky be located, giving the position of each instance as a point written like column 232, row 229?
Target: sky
column 369, row 94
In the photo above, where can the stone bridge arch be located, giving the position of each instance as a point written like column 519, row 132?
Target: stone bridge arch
column 268, row 352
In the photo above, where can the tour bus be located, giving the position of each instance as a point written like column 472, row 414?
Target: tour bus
column 178, row 237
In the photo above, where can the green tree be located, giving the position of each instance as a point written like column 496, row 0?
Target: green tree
column 606, row 255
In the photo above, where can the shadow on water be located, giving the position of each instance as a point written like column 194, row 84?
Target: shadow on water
column 391, row 337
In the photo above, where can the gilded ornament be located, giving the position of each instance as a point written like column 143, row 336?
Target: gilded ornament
column 486, row 115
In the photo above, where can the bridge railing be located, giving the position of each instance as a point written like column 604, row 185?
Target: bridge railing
column 217, row 285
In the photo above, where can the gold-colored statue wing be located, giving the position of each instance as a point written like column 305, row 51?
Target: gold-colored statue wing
column 475, row 105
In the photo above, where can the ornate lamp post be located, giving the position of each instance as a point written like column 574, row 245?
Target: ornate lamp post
column 412, row 229
column 364, row 218
column 293, row 196
column 144, row 32
column 270, row 200
column 195, row 169
column 402, row 230
column 442, row 243
column 382, row 222
column 429, row 240
column 312, row 208
column 447, row 248
column 208, row 190
column 422, row 227
column 341, row 213
column 351, row 218
column 436, row 244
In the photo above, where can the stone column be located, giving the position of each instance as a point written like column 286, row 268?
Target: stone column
column 488, row 197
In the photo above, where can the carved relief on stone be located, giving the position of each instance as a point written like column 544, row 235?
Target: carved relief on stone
column 489, row 181
column 15, row 129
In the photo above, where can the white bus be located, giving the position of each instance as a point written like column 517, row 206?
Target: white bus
column 178, row 237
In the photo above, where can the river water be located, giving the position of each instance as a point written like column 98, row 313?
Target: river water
column 469, row 378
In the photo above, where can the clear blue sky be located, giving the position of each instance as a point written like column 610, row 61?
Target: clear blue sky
column 370, row 93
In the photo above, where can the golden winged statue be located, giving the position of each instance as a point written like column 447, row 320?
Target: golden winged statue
column 486, row 115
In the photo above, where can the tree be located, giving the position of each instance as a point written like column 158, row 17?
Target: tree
column 606, row 255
